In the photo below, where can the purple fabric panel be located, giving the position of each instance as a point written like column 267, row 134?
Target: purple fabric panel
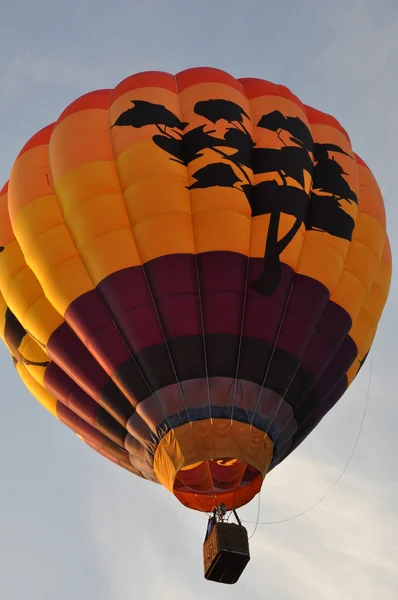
column 337, row 368
column 58, row 383
column 93, row 324
column 65, row 348
column 127, row 295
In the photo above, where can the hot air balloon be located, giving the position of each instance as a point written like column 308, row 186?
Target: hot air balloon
column 192, row 272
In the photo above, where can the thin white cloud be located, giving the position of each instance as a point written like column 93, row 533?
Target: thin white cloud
column 345, row 548
column 145, row 541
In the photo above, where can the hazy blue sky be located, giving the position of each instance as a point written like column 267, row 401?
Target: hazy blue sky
column 73, row 526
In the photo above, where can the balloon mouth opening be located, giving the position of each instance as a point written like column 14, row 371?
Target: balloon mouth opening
column 206, row 484
column 209, row 462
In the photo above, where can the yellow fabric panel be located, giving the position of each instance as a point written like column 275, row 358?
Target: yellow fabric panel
column 362, row 263
column 156, row 195
column 349, row 293
column 222, row 230
column 94, row 179
column 20, row 287
column 153, row 236
column 144, row 161
column 195, row 442
column 12, row 263
column 374, row 303
column 29, row 179
column 51, row 254
column 68, row 281
column 86, row 185
column 42, row 395
column 3, row 308
column 218, row 198
column 386, row 255
column 40, row 215
column 110, row 252
column 369, row 232
column 365, row 324
column 22, row 290
column 80, row 138
column 383, row 279
column 7, row 234
column 370, row 196
column 140, row 168
column 45, row 255
column 41, row 320
column 322, row 257
column 31, row 351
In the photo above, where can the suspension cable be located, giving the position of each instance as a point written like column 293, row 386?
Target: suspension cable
column 367, row 396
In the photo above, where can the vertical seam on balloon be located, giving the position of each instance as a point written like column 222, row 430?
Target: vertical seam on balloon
column 314, row 331
column 244, row 304
column 353, row 321
column 75, row 431
column 294, row 274
column 64, row 401
column 57, row 401
column 151, row 295
column 200, row 310
column 143, row 270
column 245, row 295
column 107, row 308
column 342, row 341
column 29, row 271
column 65, row 223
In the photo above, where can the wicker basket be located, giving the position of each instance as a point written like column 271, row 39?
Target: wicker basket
column 226, row 553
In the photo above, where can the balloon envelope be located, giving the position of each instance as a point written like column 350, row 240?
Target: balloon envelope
column 193, row 269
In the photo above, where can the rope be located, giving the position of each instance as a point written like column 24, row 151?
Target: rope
column 304, row 512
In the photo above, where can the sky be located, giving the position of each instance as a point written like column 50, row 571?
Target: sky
column 74, row 526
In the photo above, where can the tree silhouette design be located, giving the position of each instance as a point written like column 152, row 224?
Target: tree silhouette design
column 146, row 113
column 239, row 159
column 216, row 174
column 299, row 132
